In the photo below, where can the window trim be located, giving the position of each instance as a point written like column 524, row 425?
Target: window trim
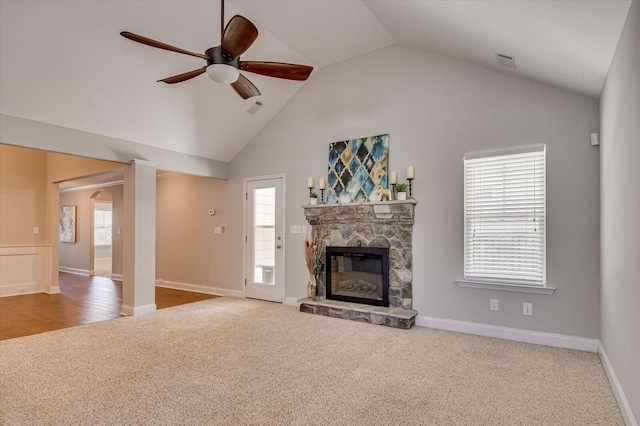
column 497, row 283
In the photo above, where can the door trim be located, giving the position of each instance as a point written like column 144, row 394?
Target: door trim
column 245, row 181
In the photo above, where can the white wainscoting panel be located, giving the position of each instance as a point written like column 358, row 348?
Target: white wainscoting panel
column 24, row 269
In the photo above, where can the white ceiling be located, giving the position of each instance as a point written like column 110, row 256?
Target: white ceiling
column 63, row 62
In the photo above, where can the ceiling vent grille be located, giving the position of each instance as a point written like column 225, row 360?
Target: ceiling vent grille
column 254, row 108
column 506, row 60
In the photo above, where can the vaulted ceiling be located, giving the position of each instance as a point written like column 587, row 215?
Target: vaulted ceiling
column 64, row 62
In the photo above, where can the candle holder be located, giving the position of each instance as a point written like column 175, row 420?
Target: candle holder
column 322, row 196
column 410, row 189
column 310, row 191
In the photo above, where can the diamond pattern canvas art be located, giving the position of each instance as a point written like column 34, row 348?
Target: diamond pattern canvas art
column 356, row 168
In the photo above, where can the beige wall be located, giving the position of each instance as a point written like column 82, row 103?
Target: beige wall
column 116, row 236
column 187, row 250
column 29, row 197
column 620, row 210
column 22, row 196
column 436, row 108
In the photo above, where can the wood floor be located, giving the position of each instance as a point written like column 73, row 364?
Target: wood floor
column 82, row 300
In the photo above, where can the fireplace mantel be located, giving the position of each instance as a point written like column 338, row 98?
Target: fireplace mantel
column 375, row 224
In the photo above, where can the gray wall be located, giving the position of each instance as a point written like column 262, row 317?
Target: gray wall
column 436, row 109
column 77, row 255
column 620, row 210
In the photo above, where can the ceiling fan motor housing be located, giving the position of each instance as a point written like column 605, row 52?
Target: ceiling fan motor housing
column 216, row 56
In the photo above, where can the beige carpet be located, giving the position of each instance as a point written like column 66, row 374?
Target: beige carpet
column 235, row 361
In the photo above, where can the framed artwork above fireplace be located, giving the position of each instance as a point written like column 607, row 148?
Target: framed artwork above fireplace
column 356, row 168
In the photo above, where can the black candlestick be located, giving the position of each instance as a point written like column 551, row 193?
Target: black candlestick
column 322, row 196
column 310, row 191
column 410, row 190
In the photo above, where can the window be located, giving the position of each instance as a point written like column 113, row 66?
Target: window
column 504, row 215
column 264, row 235
column 102, row 224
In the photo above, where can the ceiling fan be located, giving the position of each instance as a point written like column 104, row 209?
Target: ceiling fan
column 223, row 62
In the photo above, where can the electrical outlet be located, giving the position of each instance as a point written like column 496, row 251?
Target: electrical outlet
column 527, row 308
column 493, row 304
column 36, row 230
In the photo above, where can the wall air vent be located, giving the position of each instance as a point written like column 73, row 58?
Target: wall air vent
column 506, row 60
column 254, row 108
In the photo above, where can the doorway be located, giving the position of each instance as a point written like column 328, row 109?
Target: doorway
column 264, row 256
column 102, row 238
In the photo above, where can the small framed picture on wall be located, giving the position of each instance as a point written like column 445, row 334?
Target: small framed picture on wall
column 67, row 224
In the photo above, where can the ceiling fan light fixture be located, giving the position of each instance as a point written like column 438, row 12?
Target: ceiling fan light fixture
column 223, row 73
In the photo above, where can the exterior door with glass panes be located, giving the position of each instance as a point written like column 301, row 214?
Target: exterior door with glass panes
column 265, row 239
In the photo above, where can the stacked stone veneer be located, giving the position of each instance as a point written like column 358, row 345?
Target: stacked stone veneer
column 383, row 224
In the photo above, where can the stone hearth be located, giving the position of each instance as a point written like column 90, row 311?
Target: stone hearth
column 380, row 224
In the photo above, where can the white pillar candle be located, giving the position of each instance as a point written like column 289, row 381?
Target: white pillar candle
column 393, row 178
column 310, row 183
column 322, row 184
column 410, row 174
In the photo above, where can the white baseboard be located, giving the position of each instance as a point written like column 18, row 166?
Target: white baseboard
column 75, row 270
column 54, row 290
column 116, row 277
column 623, row 403
column 292, row 301
column 20, row 288
column 137, row 310
column 216, row 291
column 519, row 335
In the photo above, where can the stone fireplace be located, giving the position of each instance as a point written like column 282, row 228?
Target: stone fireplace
column 378, row 225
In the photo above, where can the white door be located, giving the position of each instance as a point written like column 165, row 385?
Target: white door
column 265, row 239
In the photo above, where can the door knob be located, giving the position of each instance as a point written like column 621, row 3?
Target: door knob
column 278, row 246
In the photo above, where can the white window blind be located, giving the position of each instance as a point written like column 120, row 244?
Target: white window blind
column 504, row 235
column 102, row 218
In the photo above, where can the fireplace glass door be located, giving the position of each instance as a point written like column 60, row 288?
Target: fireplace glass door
column 358, row 274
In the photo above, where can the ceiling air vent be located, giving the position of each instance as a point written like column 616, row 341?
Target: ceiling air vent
column 506, row 60
column 254, row 108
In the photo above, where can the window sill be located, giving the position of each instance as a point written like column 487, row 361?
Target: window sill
column 520, row 288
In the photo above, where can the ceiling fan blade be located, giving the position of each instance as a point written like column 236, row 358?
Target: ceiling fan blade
column 245, row 88
column 159, row 45
column 238, row 35
column 184, row 77
column 277, row 69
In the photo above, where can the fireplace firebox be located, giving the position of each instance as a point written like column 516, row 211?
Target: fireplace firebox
column 358, row 275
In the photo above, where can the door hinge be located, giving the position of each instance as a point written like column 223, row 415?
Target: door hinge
column 245, row 281
column 246, row 195
column 245, row 239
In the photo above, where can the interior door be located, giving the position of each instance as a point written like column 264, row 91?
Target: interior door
column 265, row 239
